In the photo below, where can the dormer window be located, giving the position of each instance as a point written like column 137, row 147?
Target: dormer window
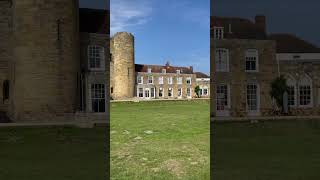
column 178, row 71
column 164, row 71
column 218, row 32
column 96, row 57
column 149, row 70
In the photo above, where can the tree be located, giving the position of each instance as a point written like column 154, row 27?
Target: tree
column 197, row 91
column 278, row 87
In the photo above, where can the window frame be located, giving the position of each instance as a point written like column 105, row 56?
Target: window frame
column 218, row 32
column 93, row 96
column 218, row 66
column 252, row 53
column 92, row 55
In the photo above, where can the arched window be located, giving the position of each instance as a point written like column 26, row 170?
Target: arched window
column 305, row 91
column 252, row 60
column 222, row 60
column 292, row 94
column 96, row 57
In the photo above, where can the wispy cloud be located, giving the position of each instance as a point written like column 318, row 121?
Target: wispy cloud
column 187, row 10
column 129, row 13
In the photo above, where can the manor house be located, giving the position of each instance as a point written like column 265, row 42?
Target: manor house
column 245, row 59
column 53, row 60
column 142, row 81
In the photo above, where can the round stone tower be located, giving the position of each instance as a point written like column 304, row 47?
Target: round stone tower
column 122, row 49
column 45, row 59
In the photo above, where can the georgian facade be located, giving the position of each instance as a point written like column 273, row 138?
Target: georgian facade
column 245, row 60
column 164, row 82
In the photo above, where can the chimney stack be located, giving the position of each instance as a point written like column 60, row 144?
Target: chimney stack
column 191, row 68
column 260, row 21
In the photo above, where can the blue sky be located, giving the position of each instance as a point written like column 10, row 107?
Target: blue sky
column 166, row 30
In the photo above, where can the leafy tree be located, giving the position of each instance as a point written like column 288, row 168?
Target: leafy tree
column 278, row 87
column 197, row 91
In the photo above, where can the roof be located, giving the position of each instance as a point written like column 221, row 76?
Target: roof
column 201, row 75
column 94, row 21
column 288, row 43
column 158, row 68
column 241, row 28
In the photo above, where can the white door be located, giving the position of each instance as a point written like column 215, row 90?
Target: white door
column 147, row 93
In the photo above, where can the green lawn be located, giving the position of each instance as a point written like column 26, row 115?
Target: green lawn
column 160, row 140
column 267, row 151
column 53, row 153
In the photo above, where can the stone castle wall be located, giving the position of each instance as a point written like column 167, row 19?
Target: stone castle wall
column 123, row 76
column 45, row 61
column 5, row 47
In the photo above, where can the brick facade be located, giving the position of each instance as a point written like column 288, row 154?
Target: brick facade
column 237, row 91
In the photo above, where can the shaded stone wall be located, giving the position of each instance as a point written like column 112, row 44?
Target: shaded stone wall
column 165, row 84
column 45, row 64
column 5, row 47
column 237, row 78
column 123, row 76
column 95, row 77
column 296, row 69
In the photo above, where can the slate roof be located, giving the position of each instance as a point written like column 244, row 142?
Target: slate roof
column 201, row 75
column 94, row 21
column 158, row 68
column 288, row 43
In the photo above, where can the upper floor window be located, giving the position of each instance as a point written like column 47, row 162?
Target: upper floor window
column 150, row 80
column 161, row 80
column 222, row 60
column 140, row 79
column 164, row 71
column 179, row 80
column 218, row 32
column 189, row 80
column 96, row 57
column 149, row 70
column 252, row 58
column 169, row 80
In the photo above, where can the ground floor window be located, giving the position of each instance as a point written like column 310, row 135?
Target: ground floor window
column 305, row 95
column 98, row 100
column 152, row 92
column 146, row 93
column 170, row 93
column 160, row 92
column 205, row 92
column 140, row 92
column 291, row 95
column 188, row 92
column 179, row 92
column 252, row 97
column 222, row 97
